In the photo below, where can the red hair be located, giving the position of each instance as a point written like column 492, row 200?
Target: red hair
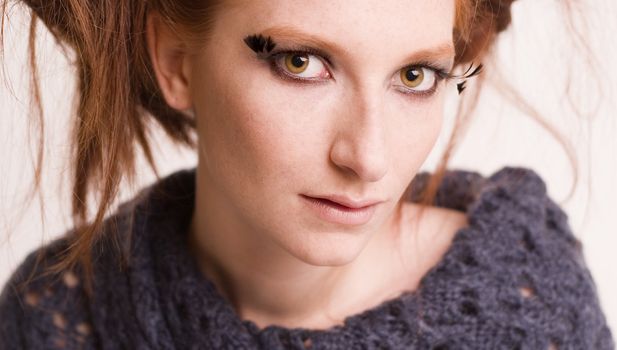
column 118, row 96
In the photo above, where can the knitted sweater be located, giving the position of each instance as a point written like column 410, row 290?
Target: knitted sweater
column 514, row 278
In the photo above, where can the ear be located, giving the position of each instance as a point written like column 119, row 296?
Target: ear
column 169, row 62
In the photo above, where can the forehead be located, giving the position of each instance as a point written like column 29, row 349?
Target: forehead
column 366, row 25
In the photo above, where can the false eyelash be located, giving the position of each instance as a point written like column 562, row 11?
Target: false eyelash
column 448, row 76
column 259, row 44
column 461, row 86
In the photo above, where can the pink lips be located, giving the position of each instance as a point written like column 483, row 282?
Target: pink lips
column 341, row 210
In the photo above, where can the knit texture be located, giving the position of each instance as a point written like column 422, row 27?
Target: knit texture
column 515, row 278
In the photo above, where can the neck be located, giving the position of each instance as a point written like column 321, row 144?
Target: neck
column 268, row 285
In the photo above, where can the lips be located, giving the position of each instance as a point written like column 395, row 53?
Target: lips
column 346, row 202
column 342, row 210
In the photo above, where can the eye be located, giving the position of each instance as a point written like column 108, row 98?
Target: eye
column 296, row 63
column 300, row 66
column 418, row 80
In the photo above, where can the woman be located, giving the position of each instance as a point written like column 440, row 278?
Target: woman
column 298, row 228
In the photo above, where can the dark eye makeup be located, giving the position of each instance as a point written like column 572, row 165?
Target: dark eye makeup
column 274, row 58
column 440, row 75
column 263, row 47
column 259, row 44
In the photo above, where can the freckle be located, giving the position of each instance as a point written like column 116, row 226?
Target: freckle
column 83, row 328
column 70, row 279
column 308, row 343
column 32, row 298
column 59, row 320
column 552, row 346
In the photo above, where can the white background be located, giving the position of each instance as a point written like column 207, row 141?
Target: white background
column 536, row 56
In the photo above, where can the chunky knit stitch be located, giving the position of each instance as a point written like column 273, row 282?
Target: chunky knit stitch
column 515, row 278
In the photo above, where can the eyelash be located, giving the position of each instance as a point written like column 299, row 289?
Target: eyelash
column 440, row 74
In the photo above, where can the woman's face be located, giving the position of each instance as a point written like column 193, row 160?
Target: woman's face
column 358, row 130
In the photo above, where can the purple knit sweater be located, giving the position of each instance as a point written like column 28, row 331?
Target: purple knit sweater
column 515, row 278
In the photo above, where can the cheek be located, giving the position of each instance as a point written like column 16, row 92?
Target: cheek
column 253, row 134
column 416, row 130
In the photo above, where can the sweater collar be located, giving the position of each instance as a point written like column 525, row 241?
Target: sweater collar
column 168, row 303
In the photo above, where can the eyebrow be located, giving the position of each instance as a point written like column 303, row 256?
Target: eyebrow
column 441, row 52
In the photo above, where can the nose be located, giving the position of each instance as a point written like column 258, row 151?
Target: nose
column 359, row 146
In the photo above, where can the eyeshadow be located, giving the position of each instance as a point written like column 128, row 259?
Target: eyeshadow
column 261, row 45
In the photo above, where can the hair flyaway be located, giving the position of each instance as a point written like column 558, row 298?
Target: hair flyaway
column 261, row 46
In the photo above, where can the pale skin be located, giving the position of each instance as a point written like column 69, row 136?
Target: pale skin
column 265, row 141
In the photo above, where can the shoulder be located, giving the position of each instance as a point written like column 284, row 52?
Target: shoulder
column 518, row 263
column 43, row 311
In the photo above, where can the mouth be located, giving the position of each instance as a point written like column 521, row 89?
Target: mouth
column 340, row 210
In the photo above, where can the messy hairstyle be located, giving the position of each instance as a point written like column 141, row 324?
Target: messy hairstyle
column 118, row 95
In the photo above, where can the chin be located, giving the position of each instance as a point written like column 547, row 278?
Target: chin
column 330, row 249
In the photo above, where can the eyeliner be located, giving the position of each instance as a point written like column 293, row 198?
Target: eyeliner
column 263, row 46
